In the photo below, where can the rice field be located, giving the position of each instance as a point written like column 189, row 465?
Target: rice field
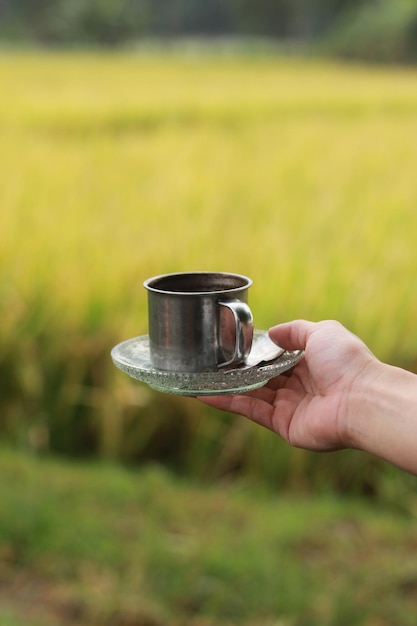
column 115, row 167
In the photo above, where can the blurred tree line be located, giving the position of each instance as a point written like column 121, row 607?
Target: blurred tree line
column 369, row 29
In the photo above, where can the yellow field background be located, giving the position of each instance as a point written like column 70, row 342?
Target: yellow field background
column 115, row 167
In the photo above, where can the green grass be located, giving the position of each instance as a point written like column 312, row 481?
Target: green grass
column 116, row 167
column 95, row 544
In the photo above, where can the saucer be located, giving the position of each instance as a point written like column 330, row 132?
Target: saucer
column 132, row 357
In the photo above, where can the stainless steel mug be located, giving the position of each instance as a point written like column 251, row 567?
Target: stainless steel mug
column 198, row 321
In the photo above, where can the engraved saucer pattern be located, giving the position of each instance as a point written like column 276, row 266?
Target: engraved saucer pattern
column 132, row 357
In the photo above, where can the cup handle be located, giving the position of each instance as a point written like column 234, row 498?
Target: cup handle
column 244, row 330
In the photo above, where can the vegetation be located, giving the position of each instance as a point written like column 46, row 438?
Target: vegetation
column 94, row 544
column 118, row 167
column 380, row 31
column 377, row 30
column 114, row 22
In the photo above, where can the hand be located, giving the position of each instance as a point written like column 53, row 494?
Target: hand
column 311, row 406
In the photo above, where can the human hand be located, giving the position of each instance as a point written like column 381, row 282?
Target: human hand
column 310, row 407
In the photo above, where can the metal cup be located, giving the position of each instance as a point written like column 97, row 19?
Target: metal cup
column 198, row 321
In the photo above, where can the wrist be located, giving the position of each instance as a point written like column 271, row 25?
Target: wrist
column 364, row 404
column 382, row 415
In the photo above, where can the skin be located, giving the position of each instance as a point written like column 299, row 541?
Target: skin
column 339, row 396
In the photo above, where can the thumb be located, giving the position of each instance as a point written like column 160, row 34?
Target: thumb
column 292, row 335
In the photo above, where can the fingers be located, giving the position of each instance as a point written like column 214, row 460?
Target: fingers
column 292, row 335
column 255, row 406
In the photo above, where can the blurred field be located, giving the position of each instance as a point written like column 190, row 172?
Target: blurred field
column 300, row 174
column 94, row 544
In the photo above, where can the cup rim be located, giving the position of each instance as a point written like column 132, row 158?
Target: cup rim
column 150, row 283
